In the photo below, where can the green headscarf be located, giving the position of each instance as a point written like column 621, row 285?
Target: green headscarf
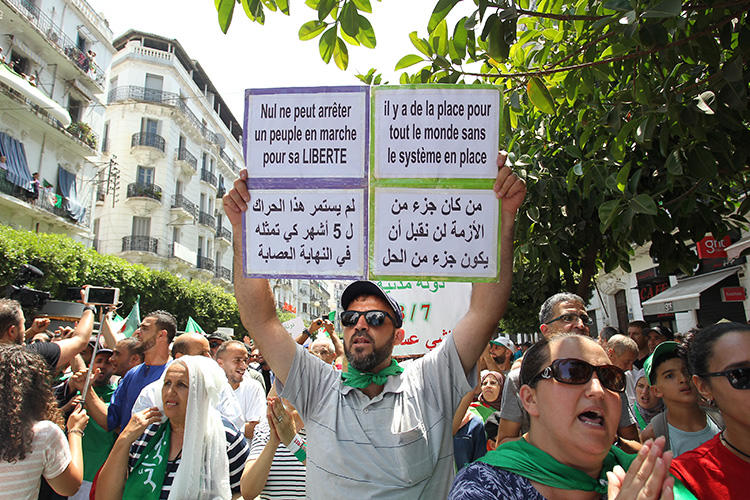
column 522, row 458
column 360, row 380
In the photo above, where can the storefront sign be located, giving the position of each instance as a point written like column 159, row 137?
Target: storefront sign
column 711, row 248
column 733, row 294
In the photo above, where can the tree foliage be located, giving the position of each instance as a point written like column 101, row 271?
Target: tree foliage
column 66, row 263
column 628, row 119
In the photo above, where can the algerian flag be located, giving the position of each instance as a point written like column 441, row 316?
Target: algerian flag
column 132, row 321
column 193, row 327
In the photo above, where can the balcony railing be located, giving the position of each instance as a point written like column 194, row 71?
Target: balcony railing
column 230, row 162
column 184, row 155
column 205, row 263
column 221, row 192
column 138, row 190
column 58, row 39
column 209, row 177
column 43, row 202
column 206, row 219
column 148, row 139
column 222, row 232
column 223, row 273
column 132, row 92
column 139, row 244
column 179, row 201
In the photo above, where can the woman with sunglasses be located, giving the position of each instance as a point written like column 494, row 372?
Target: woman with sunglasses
column 719, row 361
column 571, row 393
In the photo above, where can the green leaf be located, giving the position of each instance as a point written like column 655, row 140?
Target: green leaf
column 442, row 8
column 224, row 8
column 439, row 38
column 608, row 213
column 324, row 8
column 341, row 54
column 539, row 96
column 350, row 40
column 420, row 44
column 349, row 19
column 460, row 38
column 311, row 29
column 618, row 5
column 553, row 35
column 270, row 5
column 254, row 10
column 327, row 44
column 366, row 35
column 622, row 177
column 363, row 5
column 408, row 60
column 643, row 204
column 283, row 6
column 665, row 8
column 673, row 163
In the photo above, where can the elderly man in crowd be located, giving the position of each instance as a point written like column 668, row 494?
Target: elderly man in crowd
column 377, row 430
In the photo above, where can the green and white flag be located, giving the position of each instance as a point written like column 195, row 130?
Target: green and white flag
column 193, row 327
column 132, row 321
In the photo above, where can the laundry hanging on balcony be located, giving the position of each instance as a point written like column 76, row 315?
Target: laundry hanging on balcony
column 66, row 183
column 18, row 169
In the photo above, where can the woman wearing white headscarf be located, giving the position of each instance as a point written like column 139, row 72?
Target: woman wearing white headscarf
column 193, row 454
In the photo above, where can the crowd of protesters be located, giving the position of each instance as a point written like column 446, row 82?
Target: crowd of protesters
column 642, row 415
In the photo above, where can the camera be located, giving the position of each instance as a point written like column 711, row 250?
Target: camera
column 26, row 296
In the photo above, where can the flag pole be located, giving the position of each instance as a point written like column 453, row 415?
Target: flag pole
column 93, row 357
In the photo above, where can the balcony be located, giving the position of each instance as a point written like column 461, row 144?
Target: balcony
column 134, row 93
column 224, row 233
column 185, row 206
column 208, row 177
column 229, row 162
column 43, row 204
column 140, row 244
column 186, row 161
column 205, row 263
column 223, row 273
column 138, row 190
column 58, row 39
column 148, row 139
column 206, row 219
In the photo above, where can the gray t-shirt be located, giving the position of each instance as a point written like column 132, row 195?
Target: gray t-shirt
column 511, row 408
column 398, row 444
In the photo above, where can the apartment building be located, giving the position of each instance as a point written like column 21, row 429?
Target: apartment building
column 173, row 145
column 52, row 79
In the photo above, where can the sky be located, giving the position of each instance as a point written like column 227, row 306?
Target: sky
column 270, row 55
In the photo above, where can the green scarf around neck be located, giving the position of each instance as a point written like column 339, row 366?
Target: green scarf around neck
column 355, row 378
column 522, row 458
column 147, row 477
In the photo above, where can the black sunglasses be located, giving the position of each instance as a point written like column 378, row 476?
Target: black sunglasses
column 578, row 372
column 739, row 378
column 571, row 317
column 373, row 318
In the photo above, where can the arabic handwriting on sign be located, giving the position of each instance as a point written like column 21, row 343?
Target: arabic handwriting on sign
column 451, row 205
column 429, row 206
column 289, row 254
column 349, row 208
column 448, row 260
column 472, row 208
column 265, row 229
column 288, row 235
column 343, row 258
column 297, row 206
column 275, row 207
column 394, row 257
column 395, row 232
column 432, row 344
column 258, row 205
column 396, row 208
column 411, row 340
column 323, row 206
column 440, row 232
column 421, row 231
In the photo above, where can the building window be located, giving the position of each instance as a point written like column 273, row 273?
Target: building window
column 141, row 226
column 204, row 161
column 105, row 137
column 145, row 176
column 304, row 307
column 18, row 63
column 75, row 108
column 81, row 43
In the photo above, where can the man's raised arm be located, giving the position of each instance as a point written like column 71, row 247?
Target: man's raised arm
column 489, row 300
column 254, row 297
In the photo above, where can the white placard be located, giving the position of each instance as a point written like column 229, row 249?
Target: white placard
column 307, row 134
column 305, row 232
column 431, row 310
column 294, row 326
column 426, row 232
column 436, row 133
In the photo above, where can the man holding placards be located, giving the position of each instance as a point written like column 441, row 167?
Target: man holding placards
column 378, row 430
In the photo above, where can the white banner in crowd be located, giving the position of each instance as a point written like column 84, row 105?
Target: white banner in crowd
column 431, row 310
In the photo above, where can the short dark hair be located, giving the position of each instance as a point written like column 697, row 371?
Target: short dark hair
column 608, row 332
column 546, row 311
column 223, row 347
column 700, row 346
column 10, row 315
column 638, row 323
column 133, row 347
column 656, row 362
column 165, row 321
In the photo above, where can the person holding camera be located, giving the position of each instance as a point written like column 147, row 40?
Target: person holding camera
column 328, row 348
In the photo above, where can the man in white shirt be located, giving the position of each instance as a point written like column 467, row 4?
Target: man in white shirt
column 233, row 358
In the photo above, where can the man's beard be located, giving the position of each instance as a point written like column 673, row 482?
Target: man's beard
column 500, row 359
column 371, row 360
column 146, row 344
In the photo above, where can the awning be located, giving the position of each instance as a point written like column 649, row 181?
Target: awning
column 18, row 169
column 735, row 249
column 16, row 82
column 685, row 295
